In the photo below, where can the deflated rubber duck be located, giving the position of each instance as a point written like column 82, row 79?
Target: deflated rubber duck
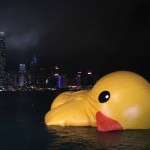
column 118, row 101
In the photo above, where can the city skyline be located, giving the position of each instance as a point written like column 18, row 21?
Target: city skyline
column 36, row 78
column 99, row 36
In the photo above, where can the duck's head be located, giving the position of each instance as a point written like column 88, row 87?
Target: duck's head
column 123, row 101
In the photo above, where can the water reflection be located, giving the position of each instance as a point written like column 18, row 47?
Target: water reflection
column 22, row 127
column 90, row 138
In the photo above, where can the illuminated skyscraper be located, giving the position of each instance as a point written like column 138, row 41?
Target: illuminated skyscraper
column 22, row 75
column 34, row 69
column 2, row 60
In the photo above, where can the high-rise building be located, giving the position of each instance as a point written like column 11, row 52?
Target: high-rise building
column 22, row 75
column 12, row 81
column 56, row 78
column 78, row 80
column 2, row 60
column 43, row 75
column 34, row 69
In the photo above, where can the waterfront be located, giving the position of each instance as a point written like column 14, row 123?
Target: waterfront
column 22, row 127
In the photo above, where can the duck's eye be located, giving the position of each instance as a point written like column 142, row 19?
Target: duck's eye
column 104, row 96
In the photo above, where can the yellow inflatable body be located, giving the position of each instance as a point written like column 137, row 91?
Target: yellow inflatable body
column 118, row 101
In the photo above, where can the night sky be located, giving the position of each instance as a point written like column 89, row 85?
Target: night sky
column 100, row 36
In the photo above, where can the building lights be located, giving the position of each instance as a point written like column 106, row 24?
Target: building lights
column 89, row 73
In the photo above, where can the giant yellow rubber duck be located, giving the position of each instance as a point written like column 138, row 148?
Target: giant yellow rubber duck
column 118, row 101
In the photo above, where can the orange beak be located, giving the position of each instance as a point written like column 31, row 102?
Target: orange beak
column 107, row 124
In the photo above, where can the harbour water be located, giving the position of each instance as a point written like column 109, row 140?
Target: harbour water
column 22, row 128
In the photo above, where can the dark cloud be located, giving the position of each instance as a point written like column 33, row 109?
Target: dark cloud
column 99, row 35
